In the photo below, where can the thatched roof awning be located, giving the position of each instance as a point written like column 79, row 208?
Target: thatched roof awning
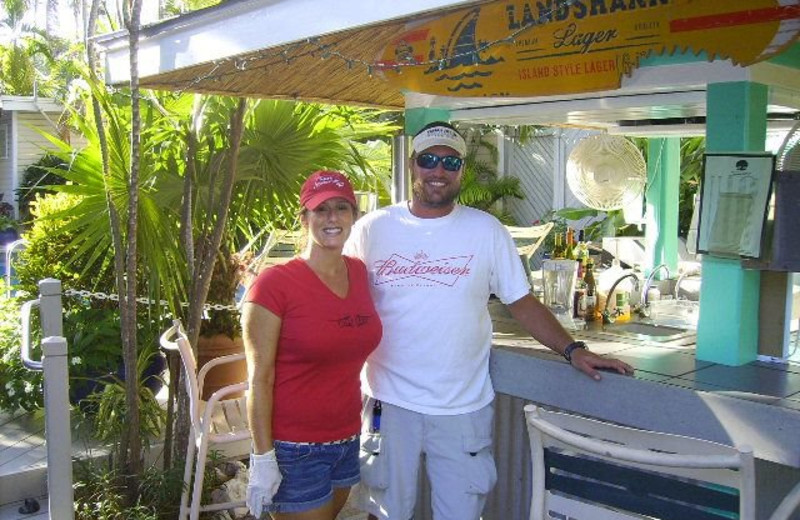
column 292, row 63
column 297, row 71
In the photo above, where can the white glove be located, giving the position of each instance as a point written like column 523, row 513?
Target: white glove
column 265, row 478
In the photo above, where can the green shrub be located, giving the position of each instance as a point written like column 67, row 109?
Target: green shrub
column 36, row 180
column 108, row 407
column 47, row 250
column 20, row 388
column 100, row 493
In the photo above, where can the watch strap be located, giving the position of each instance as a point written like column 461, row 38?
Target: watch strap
column 571, row 348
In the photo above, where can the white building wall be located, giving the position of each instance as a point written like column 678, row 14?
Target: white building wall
column 28, row 145
column 31, row 145
column 6, row 164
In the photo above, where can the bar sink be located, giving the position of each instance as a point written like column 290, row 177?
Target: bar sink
column 648, row 331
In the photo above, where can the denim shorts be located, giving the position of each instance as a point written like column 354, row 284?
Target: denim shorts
column 311, row 471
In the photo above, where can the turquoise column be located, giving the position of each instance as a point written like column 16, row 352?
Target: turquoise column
column 727, row 332
column 416, row 118
column 662, row 195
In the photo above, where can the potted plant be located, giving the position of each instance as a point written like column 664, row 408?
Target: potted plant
column 8, row 224
column 221, row 332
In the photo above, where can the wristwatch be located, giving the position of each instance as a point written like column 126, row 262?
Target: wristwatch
column 571, row 348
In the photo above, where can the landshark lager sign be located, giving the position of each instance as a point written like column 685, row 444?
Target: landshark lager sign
column 545, row 47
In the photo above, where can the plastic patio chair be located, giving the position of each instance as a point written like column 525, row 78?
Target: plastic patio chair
column 586, row 468
column 529, row 239
column 219, row 421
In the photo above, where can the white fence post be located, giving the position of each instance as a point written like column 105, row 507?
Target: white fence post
column 57, row 426
column 50, row 307
column 54, row 364
column 56, row 401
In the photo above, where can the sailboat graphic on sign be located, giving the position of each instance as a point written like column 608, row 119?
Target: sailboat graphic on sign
column 462, row 50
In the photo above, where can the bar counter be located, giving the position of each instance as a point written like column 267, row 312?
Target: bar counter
column 756, row 404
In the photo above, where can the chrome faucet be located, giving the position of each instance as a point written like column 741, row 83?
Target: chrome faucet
column 607, row 318
column 685, row 274
column 645, row 308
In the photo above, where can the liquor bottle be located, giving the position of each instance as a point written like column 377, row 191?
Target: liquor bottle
column 569, row 247
column 558, row 247
column 579, row 299
column 591, row 311
column 582, row 249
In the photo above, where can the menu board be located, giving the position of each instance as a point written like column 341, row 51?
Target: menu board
column 734, row 195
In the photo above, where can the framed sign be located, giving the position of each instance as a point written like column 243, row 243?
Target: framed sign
column 734, row 198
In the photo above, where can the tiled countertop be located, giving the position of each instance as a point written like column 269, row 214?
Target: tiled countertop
column 756, row 404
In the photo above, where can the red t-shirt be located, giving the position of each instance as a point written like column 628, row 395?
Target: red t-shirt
column 323, row 343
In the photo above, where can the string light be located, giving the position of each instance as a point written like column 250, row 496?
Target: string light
column 286, row 56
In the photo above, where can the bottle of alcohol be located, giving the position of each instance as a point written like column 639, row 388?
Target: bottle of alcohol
column 569, row 247
column 582, row 249
column 558, row 247
column 581, row 254
column 579, row 299
column 591, row 311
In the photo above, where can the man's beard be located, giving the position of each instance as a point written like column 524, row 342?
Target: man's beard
column 446, row 199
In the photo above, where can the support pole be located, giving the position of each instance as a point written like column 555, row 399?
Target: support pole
column 727, row 332
column 57, row 427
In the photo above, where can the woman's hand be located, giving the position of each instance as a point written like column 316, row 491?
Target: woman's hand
column 265, row 479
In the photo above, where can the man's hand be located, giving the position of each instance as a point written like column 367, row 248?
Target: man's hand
column 588, row 363
column 265, row 478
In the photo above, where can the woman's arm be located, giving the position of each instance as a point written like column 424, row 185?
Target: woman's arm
column 260, row 331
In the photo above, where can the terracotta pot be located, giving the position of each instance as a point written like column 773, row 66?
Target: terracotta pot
column 215, row 346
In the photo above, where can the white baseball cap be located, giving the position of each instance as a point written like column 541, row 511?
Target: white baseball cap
column 439, row 135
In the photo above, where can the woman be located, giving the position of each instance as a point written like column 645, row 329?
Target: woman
column 308, row 327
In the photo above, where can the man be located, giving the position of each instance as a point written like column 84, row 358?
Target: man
column 433, row 265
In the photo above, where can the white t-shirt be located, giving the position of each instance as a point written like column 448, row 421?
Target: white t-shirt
column 431, row 280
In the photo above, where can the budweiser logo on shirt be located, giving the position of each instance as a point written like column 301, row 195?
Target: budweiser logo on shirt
column 443, row 271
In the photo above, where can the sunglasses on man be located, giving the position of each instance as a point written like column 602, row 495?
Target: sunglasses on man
column 429, row 161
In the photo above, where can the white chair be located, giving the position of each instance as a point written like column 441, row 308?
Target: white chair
column 788, row 505
column 585, row 469
column 528, row 240
column 219, row 421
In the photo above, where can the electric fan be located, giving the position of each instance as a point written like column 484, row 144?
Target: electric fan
column 606, row 172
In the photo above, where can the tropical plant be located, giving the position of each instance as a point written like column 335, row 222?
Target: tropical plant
column 32, row 61
column 91, row 246
column 480, row 185
column 20, row 388
column 100, row 492
column 109, row 408
column 6, row 209
column 692, row 151
column 8, row 223
column 35, row 180
column 51, row 251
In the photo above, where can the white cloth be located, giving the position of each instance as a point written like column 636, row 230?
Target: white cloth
column 431, row 280
column 265, row 479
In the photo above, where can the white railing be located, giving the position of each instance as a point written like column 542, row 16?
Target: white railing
column 10, row 250
column 56, row 394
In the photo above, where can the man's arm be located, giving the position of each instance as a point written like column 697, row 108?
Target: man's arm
column 545, row 328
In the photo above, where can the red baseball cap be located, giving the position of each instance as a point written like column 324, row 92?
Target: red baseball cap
column 323, row 185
